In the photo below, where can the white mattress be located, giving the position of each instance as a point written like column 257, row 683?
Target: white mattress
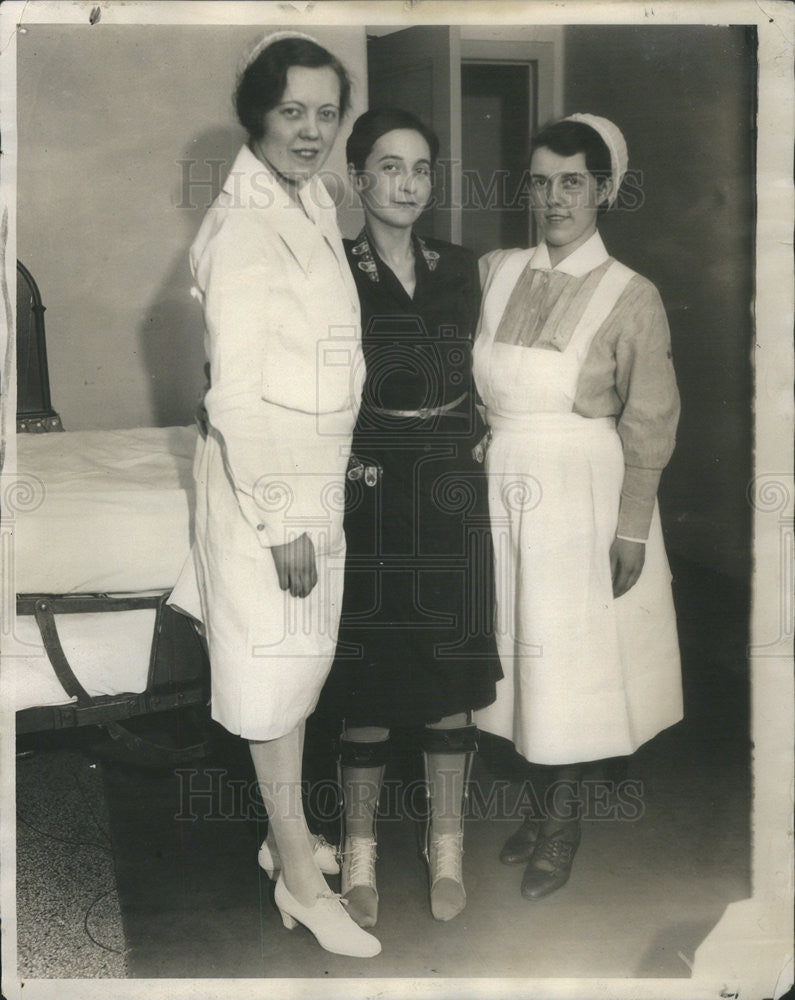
column 110, row 510
column 108, row 652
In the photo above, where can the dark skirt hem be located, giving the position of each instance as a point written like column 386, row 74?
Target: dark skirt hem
column 405, row 720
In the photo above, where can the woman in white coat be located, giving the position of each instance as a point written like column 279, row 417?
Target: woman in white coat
column 573, row 362
column 283, row 343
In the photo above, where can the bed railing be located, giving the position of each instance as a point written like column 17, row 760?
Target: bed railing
column 35, row 413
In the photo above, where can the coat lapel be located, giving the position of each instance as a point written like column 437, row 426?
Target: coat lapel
column 320, row 207
column 301, row 229
column 297, row 233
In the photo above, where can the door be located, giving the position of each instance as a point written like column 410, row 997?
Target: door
column 419, row 69
column 497, row 116
column 512, row 83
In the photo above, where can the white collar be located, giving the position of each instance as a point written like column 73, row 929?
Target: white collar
column 579, row 262
column 251, row 184
column 251, row 178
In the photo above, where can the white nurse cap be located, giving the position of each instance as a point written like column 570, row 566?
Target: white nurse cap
column 277, row 36
column 615, row 142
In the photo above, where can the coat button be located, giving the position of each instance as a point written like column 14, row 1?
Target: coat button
column 260, row 527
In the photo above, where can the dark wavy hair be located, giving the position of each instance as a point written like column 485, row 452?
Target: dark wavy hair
column 263, row 81
column 567, row 138
column 369, row 127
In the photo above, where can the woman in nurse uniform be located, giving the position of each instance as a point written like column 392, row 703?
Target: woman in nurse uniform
column 283, row 343
column 573, row 363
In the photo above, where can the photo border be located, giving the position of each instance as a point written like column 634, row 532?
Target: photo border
column 747, row 951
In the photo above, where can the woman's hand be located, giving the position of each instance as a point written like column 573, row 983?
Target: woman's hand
column 626, row 562
column 200, row 416
column 295, row 565
column 480, row 449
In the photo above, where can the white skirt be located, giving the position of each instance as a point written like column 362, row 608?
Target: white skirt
column 586, row 676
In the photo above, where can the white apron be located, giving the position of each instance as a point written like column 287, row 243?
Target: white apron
column 586, row 676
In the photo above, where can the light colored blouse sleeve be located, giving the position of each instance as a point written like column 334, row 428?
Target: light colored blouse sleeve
column 487, row 264
column 646, row 385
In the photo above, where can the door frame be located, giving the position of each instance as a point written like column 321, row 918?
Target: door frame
column 470, row 43
column 547, row 56
column 546, row 59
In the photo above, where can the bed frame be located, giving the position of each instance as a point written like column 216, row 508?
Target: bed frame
column 178, row 667
column 34, row 407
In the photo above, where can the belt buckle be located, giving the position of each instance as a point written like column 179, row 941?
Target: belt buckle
column 371, row 474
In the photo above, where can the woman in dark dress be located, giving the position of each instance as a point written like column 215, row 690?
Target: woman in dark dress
column 416, row 645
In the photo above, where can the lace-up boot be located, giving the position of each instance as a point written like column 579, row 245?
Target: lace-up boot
column 447, row 755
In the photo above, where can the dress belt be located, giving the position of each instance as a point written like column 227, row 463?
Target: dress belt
column 426, row 412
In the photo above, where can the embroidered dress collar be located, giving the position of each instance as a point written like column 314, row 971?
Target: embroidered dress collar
column 580, row 262
column 366, row 260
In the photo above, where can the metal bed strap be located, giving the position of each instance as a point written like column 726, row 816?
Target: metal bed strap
column 45, row 619
column 82, row 604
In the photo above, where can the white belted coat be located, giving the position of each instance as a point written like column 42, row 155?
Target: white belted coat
column 286, row 370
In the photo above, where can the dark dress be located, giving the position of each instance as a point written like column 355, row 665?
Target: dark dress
column 416, row 639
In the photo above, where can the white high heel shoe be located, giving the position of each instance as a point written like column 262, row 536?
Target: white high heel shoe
column 324, row 853
column 328, row 921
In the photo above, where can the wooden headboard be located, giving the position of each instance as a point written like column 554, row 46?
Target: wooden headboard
column 34, row 408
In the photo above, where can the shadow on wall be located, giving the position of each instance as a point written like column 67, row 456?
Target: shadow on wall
column 171, row 335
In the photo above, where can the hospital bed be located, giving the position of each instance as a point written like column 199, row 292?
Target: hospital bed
column 100, row 528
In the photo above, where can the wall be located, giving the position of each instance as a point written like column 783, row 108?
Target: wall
column 106, row 114
column 684, row 99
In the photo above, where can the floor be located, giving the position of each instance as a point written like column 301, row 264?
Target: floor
column 69, row 920
column 144, row 872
